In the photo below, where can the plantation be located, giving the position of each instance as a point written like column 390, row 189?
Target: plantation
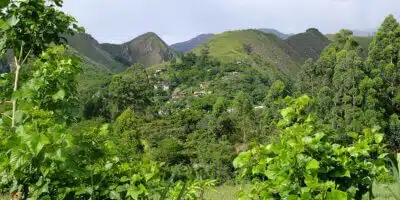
column 245, row 115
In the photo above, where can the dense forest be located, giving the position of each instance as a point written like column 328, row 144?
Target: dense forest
column 300, row 117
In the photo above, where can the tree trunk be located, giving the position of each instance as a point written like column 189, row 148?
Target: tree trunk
column 14, row 102
column 26, row 192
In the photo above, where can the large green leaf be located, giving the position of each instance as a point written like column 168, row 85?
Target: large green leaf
column 114, row 195
column 59, row 95
column 313, row 164
column 336, row 195
column 378, row 138
column 242, row 160
column 12, row 21
column 43, row 140
column 3, row 25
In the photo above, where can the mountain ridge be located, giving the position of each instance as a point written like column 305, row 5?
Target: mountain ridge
column 147, row 49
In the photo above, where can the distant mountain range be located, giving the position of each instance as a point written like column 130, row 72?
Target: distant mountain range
column 286, row 52
column 192, row 43
column 200, row 39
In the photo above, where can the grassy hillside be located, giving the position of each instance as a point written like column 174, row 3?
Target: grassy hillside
column 309, row 44
column 147, row 49
column 241, row 47
column 86, row 45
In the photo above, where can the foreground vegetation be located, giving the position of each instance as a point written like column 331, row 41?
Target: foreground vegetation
column 177, row 130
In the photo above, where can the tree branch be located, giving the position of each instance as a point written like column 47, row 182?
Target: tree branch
column 6, row 116
column 21, row 52
column 26, row 57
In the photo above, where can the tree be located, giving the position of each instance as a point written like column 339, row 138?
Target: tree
column 32, row 25
column 243, row 115
column 325, row 65
column 221, row 123
column 131, row 89
column 383, row 66
column 307, row 78
column 347, row 99
column 274, row 101
column 126, row 132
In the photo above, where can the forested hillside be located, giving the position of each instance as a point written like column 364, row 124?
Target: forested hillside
column 309, row 44
column 303, row 118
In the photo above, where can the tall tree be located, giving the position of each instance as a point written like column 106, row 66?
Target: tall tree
column 274, row 101
column 32, row 25
column 244, row 115
column 307, row 78
column 133, row 88
column 383, row 65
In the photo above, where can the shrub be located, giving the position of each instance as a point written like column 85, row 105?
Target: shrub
column 305, row 163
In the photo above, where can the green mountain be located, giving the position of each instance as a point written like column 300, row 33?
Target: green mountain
column 309, row 44
column 192, row 43
column 87, row 46
column 245, row 45
column 147, row 49
column 201, row 39
column 242, row 46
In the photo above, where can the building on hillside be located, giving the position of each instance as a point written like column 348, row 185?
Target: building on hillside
column 199, row 93
column 204, row 85
column 259, row 107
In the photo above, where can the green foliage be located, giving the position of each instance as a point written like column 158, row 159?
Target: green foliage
column 132, row 88
column 52, row 86
column 37, row 156
column 306, row 164
column 27, row 29
column 396, row 174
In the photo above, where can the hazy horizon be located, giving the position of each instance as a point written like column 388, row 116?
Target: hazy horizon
column 177, row 21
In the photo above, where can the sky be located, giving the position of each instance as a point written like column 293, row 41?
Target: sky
column 118, row 21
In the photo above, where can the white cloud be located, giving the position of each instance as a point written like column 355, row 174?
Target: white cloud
column 177, row 20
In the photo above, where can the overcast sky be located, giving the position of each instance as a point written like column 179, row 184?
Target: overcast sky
column 118, row 21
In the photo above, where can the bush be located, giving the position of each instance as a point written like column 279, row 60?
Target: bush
column 306, row 164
